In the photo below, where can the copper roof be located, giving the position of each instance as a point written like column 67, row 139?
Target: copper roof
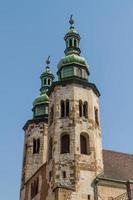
column 118, row 165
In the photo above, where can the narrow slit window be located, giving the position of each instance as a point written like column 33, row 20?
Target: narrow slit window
column 85, row 109
column 80, row 108
column 62, row 108
column 38, row 145
column 70, row 42
column 50, row 148
column 75, row 43
column 44, row 81
column 49, row 81
column 50, row 175
column 67, row 108
column 96, row 116
column 34, row 146
column 64, row 174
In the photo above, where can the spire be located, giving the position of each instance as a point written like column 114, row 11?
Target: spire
column 40, row 104
column 72, row 65
column 72, row 39
column 46, row 77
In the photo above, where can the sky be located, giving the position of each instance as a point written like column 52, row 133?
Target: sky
column 29, row 32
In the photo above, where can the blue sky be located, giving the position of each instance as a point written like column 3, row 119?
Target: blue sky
column 32, row 30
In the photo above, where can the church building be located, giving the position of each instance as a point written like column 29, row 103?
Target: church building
column 63, row 158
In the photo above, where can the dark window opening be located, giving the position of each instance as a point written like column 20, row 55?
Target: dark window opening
column 67, row 44
column 64, row 174
column 83, row 144
column 67, row 108
column 65, row 143
column 96, row 117
column 34, row 188
column 70, row 42
column 80, row 108
column 50, row 175
column 85, row 109
column 48, row 81
column 89, row 197
column 36, row 145
column 75, row 43
column 50, row 148
column 62, row 108
column 44, row 81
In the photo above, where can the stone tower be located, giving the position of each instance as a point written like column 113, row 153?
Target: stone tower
column 36, row 130
column 63, row 144
column 74, row 133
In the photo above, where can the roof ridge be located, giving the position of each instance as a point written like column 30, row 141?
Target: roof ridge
column 118, row 152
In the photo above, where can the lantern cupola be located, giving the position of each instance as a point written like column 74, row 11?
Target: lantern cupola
column 40, row 104
column 72, row 64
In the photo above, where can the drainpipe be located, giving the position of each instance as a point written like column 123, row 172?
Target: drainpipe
column 96, row 188
column 129, row 191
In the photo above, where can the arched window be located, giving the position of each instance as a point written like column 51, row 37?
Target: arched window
column 50, row 148
column 62, row 108
column 67, row 108
column 70, row 42
column 65, row 144
column 80, row 108
column 96, row 116
column 85, row 109
column 84, row 144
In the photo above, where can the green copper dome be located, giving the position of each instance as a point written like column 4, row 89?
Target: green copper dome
column 72, row 58
column 43, row 98
column 40, row 104
column 72, row 65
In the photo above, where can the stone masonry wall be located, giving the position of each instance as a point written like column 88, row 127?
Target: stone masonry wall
column 32, row 162
column 80, row 169
column 42, row 189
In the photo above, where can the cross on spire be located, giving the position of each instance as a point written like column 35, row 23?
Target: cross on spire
column 71, row 21
column 48, row 60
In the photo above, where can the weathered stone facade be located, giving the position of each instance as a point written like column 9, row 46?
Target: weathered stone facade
column 33, row 161
column 80, row 169
column 63, row 156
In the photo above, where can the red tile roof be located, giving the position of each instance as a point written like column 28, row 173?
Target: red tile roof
column 118, row 165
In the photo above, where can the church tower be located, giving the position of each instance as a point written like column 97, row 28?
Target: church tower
column 74, row 132
column 63, row 144
column 36, row 130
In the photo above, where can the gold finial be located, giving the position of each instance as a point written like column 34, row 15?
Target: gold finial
column 71, row 21
column 48, row 60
